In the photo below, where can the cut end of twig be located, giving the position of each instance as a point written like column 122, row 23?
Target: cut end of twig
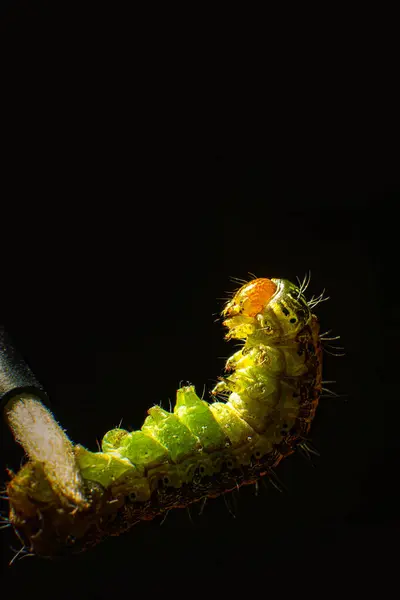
column 47, row 445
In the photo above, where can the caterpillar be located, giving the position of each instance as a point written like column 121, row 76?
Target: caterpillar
column 261, row 410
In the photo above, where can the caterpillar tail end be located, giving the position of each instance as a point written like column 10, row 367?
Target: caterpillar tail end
column 51, row 476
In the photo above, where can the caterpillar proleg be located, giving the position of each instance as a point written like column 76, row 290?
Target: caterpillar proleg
column 261, row 412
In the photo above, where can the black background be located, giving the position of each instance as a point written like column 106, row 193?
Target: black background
column 128, row 202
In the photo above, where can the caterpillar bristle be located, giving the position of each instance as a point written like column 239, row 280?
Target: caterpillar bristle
column 306, row 456
column 17, row 556
column 317, row 300
column 330, row 392
column 238, row 280
column 164, row 517
column 228, row 507
column 202, row 505
column 333, row 353
column 306, row 445
column 304, row 284
column 276, row 482
column 334, row 347
column 4, row 519
column 189, row 515
column 334, row 396
column 256, row 488
column 329, row 339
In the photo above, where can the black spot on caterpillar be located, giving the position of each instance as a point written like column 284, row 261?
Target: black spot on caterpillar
column 262, row 411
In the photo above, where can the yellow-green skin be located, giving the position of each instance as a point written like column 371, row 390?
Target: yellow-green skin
column 200, row 449
column 261, row 401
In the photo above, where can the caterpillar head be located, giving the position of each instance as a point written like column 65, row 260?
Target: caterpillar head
column 272, row 308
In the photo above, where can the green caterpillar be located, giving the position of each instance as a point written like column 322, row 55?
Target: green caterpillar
column 269, row 396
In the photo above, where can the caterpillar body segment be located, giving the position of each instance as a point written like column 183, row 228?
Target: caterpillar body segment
column 263, row 409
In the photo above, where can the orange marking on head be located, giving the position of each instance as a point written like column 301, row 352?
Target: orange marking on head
column 251, row 298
